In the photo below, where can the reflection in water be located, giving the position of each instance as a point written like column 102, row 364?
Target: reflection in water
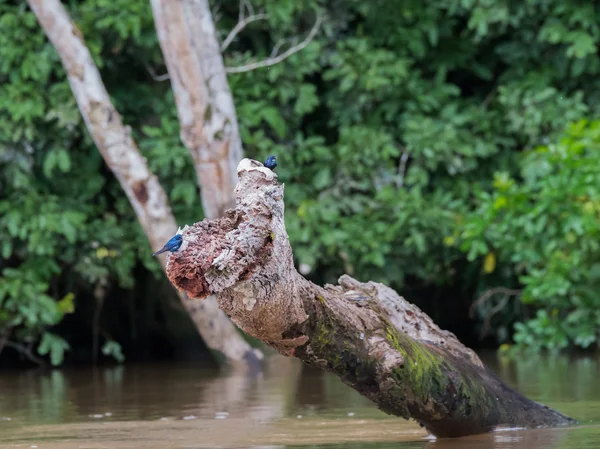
column 186, row 406
column 534, row 439
column 584, row 438
column 146, row 393
column 569, row 384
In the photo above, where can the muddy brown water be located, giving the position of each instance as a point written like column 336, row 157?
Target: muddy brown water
column 187, row 406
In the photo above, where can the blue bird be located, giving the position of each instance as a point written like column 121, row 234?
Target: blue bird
column 172, row 245
column 271, row 163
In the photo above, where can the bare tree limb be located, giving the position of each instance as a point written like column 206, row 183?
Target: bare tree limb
column 239, row 27
column 485, row 296
column 26, row 351
column 245, row 4
column 283, row 56
column 374, row 340
column 120, row 152
column 276, row 48
column 156, row 77
column 505, row 293
column 402, row 168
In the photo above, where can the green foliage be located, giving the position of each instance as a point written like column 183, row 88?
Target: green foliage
column 54, row 346
column 388, row 129
column 113, row 349
column 416, row 105
column 544, row 224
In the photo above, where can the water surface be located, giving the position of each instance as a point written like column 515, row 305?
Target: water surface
column 290, row 406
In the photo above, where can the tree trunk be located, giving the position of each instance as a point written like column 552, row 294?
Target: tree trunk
column 375, row 341
column 205, row 107
column 121, row 154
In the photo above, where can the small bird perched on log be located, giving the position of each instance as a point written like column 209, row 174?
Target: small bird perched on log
column 172, row 245
column 271, row 163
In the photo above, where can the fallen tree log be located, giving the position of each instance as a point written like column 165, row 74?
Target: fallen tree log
column 374, row 340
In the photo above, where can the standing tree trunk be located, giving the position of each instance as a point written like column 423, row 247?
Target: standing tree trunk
column 209, row 127
column 205, row 108
column 121, row 154
column 374, row 340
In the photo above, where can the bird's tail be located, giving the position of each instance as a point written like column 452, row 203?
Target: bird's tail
column 160, row 251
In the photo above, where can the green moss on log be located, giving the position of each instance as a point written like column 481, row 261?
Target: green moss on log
column 344, row 354
column 427, row 375
column 472, row 397
column 421, row 370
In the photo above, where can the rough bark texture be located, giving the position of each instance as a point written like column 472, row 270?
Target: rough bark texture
column 205, row 107
column 121, row 154
column 373, row 339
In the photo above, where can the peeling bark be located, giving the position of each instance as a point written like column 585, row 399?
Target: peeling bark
column 121, row 154
column 374, row 340
column 205, row 107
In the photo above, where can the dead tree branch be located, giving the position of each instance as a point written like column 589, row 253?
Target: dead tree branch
column 505, row 295
column 26, row 351
column 239, row 27
column 485, row 296
column 374, row 340
column 402, row 168
column 276, row 59
column 156, row 77
column 245, row 4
